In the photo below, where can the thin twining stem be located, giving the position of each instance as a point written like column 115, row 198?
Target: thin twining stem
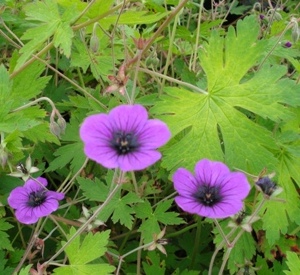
column 171, row 79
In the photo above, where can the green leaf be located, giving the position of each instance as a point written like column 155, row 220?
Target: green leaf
column 123, row 211
column 154, row 265
column 135, row 17
column 70, row 154
column 293, row 263
column 278, row 215
column 4, row 237
column 82, row 252
column 215, row 125
column 94, row 190
column 52, row 22
column 4, row 270
column 28, row 84
column 239, row 254
column 25, row 270
column 152, row 218
column 119, row 207
column 242, row 50
column 5, row 88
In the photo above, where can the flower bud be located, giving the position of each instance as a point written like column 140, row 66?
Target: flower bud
column 62, row 124
column 277, row 16
column 295, row 33
column 287, row 44
column 55, row 129
column 3, row 157
column 94, row 43
column 268, row 187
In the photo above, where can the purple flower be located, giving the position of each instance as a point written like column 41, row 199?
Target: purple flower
column 33, row 201
column 125, row 138
column 213, row 192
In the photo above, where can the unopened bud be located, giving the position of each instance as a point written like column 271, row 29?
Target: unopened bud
column 62, row 124
column 277, row 16
column 3, row 157
column 268, row 187
column 94, row 43
column 287, row 44
column 295, row 33
column 55, row 129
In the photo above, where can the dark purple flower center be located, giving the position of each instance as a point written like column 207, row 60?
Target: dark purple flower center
column 266, row 185
column 36, row 198
column 124, row 143
column 208, row 195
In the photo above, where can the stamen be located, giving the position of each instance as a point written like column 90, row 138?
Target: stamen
column 36, row 198
column 124, row 143
column 208, row 195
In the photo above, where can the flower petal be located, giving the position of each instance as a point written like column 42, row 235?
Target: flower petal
column 26, row 215
column 46, row 208
column 96, row 128
column 189, row 204
column 155, row 134
column 184, row 182
column 211, row 172
column 55, row 195
column 235, row 186
column 17, row 197
column 35, row 185
column 138, row 160
column 128, row 118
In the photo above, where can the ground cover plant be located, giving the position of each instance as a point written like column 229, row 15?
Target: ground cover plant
column 149, row 137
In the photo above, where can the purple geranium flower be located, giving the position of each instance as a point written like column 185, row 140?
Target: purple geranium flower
column 125, row 138
column 213, row 192
column 33, row 201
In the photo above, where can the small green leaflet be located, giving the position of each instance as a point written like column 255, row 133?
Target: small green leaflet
column 52, row 22
column 215, row 125
column 4, row 237
column 152, row 218
column 293, row 263
column 81, row 252
column 120, row 207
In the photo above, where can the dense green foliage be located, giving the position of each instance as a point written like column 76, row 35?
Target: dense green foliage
column 227, row 89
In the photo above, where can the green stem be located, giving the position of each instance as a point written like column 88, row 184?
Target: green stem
column 197, row 36
column 129, row 253
column 182, row 231
column 135, row 183
column 85, row 225
column 218, row 248
column 159, row 30
column 31, row 60
column 65, row 188
column 171, row 45
column 277, row 42
column 197, row 242
column 99, row 17
column 35, row 102
column 222, row 232
column 185, row 84
column 29, row 246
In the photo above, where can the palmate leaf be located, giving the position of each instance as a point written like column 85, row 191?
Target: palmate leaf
column 120, row 208
column 278, row 215
column 82, row 252
column 52, row 22
column 152, row 218
column 214, row 124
